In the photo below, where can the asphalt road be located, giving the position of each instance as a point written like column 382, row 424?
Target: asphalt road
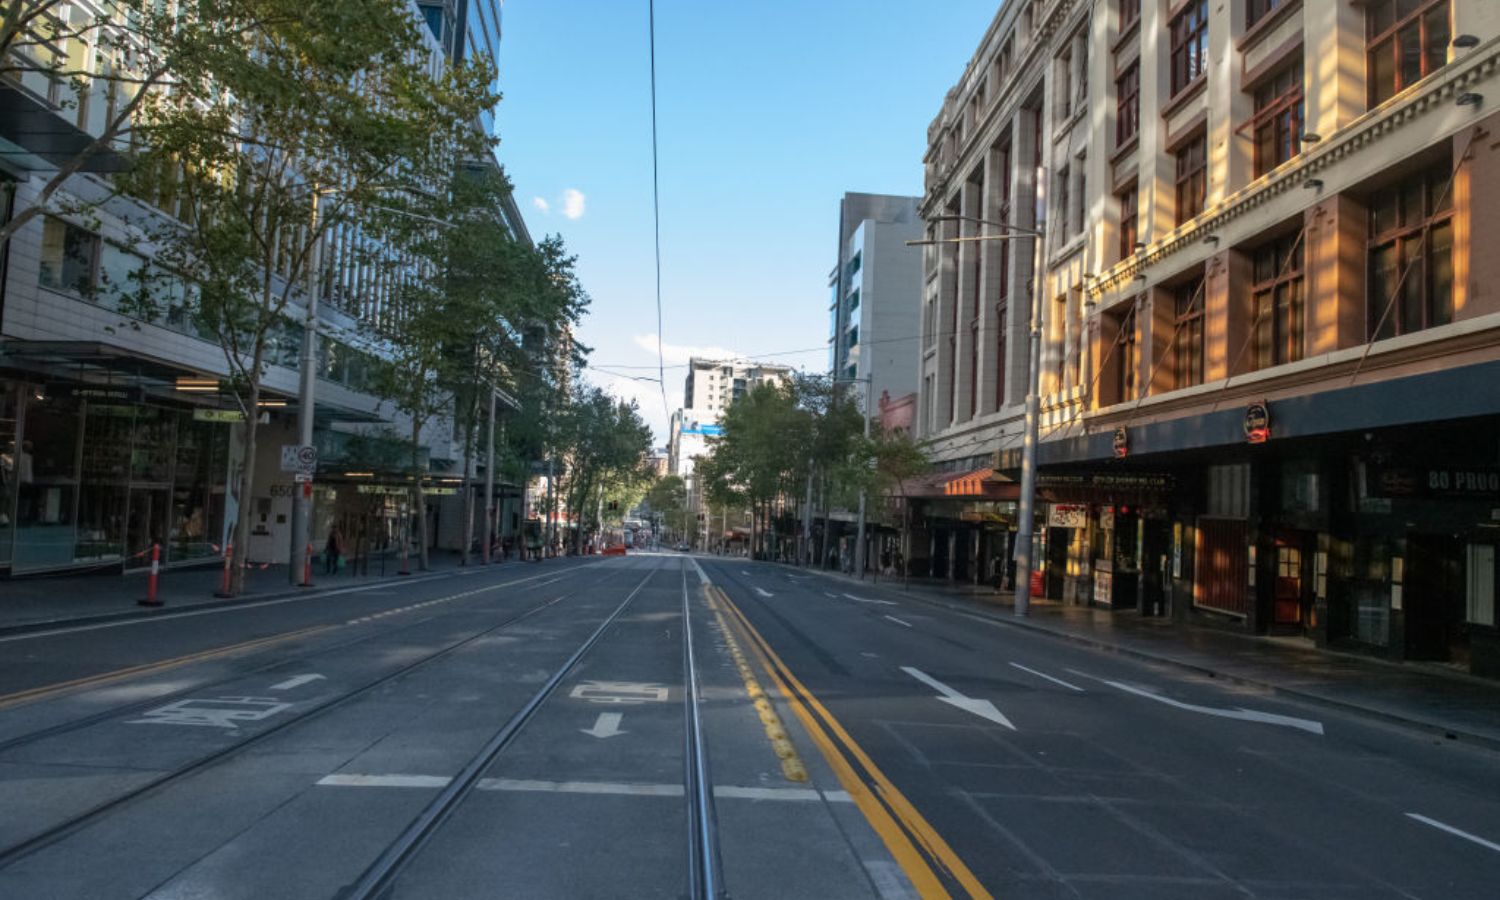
column 523, row 731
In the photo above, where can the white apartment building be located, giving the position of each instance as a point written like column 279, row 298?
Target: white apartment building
column 873, row 311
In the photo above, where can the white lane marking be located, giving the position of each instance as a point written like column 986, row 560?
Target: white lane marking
column 606, row 726
column 764, row 593
column 621, row 788
column 982, row 708
column 1454, row 831
column 1071, row 687
column 830, row 594
column 403, row 781
column 702, row 576
column 1246, row 715
column 744, row 573
column 296, row 681
column 899, row 621
column 868, row 600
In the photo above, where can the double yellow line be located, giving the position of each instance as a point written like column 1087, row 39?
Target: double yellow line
column 921, row 852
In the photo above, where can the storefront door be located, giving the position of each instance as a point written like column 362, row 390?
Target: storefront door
column 1057, row 561
column 149, row 509
column 1434, row 596
column 1288, row 606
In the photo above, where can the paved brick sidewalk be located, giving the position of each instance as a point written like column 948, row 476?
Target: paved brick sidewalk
column 1424, row 696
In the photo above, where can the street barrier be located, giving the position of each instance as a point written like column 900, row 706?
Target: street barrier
column 151, row 580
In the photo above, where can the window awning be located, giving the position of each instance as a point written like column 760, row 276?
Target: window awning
column 976, row 484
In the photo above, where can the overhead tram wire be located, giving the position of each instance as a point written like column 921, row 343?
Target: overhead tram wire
column 661, row 371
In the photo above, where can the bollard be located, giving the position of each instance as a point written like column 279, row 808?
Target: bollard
column 223, row 590
column 307, row 566
column 151, row 580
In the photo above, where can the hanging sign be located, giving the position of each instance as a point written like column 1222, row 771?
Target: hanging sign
column 218, row 415
column 1258, row 422
column 1121, row 443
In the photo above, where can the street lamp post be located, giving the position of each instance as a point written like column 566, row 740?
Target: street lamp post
column 1027, row 505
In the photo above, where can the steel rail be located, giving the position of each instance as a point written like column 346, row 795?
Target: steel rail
column 703, row 843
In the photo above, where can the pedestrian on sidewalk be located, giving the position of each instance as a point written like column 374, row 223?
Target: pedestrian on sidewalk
column 331, row 551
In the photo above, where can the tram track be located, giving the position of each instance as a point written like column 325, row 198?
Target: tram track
column 380, row 877
column 133, row 707
column 27, row 846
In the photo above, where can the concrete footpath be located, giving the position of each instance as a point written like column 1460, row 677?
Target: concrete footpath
column 1429, row 697
column 43, row 601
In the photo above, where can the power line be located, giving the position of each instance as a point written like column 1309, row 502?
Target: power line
column 661, row 369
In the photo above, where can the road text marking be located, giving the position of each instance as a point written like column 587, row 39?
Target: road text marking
column 1071, row 687
column 1245, row 715
column 982, row 708
column 215, row 712
column 623, row 692
column 1454, row 831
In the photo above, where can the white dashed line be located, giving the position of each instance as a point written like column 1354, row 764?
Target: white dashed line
column 868, row 600
column 764, row 593
column 1454, row 831
column 616, row 788
column 1071, row 687
column 898, row 621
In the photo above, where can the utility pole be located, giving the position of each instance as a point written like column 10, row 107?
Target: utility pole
column 306, row 384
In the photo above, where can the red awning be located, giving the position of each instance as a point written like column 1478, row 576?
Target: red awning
column 978, row 484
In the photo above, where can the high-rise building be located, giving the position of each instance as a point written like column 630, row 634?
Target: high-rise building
column 1269, row 348
column 876, row 285
column 113, row 431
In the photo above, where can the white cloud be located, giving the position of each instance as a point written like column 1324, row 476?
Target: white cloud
column 677, row 354
column 647, row 397
column 541, row 204
column 572, row 203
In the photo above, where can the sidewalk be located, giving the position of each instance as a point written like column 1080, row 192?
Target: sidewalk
column 1415, row 695
column 33, row 603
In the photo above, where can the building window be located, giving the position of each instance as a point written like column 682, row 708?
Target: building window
column 1187, row 351
column 1411, row 255
column 1255, row 10
column 1063, row 85
column 1405, row 41
column 1276, row 298
column 1129, row 200
column 1277, row 124
column 69, row 256
column 1192, row 178
column 1063, row 207
column 1189, row 44
column 1078, row 215
column 1127, row 104
column 1130, row 13
column 1001, row 312
column 1127, row 357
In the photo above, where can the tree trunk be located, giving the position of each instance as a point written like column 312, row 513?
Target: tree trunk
column 468, row 488
column 240, row 537
column 419, row 497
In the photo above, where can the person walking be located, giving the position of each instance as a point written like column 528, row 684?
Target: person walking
column 331, row 551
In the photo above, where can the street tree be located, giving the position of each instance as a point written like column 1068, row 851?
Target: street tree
column 297, row 122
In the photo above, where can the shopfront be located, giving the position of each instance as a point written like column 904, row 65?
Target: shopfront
column 94, row 475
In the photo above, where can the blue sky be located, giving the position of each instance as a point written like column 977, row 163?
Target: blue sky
column 767, row 113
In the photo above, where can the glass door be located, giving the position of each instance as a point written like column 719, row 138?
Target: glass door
column 150, row 506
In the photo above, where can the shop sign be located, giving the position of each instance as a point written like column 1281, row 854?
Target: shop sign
column 1121, row 443
column 1067, row 515
column 107, row 393
column 1104, row 583
column 218, row 415
column 1434, row 481
column 1140, row 481
column 399, row 490
column 1258, row 422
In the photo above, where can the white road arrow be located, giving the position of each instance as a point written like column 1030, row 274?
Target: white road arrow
column 868, row 600
column 1246, row 715
column 606, row 726
column 981, row 708
column 295, row 681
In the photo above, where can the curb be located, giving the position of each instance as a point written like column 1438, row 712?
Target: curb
column 1488, row 742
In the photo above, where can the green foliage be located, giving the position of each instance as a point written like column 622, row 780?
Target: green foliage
column 602, row 443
